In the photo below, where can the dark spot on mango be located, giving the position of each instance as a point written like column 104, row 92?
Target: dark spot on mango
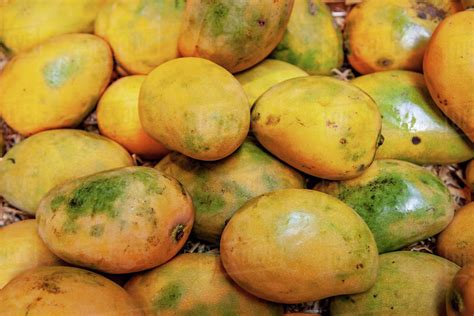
column 331, row 124
column 359, row 266
column 361, row 168
column 256, row 117
column 50, row 287
column 380, row 140
column 343, row 141
column 13, row 161
column 384, row 62
column 429, row 11
column 261, row 22
column 168, row 297
column 416, row 140
column 455, row 301
column 375, row 295
column 178, row 232
column 272, row 120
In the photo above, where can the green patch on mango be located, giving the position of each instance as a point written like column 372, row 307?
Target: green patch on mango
column 97, row 230
column 60, row 70
column 169, row 297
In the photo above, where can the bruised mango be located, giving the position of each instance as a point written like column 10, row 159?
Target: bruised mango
column 460, row 298
column 265, row 75
column 39, row 163
column 233, row 34
column 295, row 245
column 118, row 221
column 449, row 69
column 65, row 291
column 392, row 34
column 194, row 284
column 319, row 125
column 412, row 125
column 401, row 202
column 195, row 107
column 312, row 39
column 408, row 283
column 456, row 242
column 143, row 34
column 55, row 84
column 220, row 188
column 21, row 249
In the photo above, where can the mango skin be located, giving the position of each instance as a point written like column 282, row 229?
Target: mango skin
column 195, row 107
column 449, row 69
column 22, row 249
column 319, row 125
column 392, row 34
column 194, row 284
column 142, row 34
column 27, row 23
column 220, row 188
column 55, row 84
column 408, row 283
column 412, row 125
column 65, row 291
column 294, row 245
column 118, row 221
column 460, row 298
column 312, row 39
column 456, row 242
column 234, row 34
column 401, row 202
column 470, row 174
column 265, row 75
column 33, row 167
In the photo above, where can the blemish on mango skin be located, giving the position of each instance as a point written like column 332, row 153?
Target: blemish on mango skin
column 169, row 297
column 60, row 70
column 272, row 120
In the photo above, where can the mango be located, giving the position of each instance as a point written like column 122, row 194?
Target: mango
column 449, row 69
column 55, row 84
column 460, row 298
column 194, row 107
column 470, row 174
column 118, row 118
column 117, row 221
column 295, row 245
column 220, row 188
column 412, row 125
column 408, row 283
column 65, row 291
column 39, row 163
column 456, row 242
column 312, row 39
column 234, row 34
column 265, row 75
column 27, row 23
column 392, row 34
column 401, row 202
column 319, row 125
column 143, row 34
column 194, row 284
column 21, row 249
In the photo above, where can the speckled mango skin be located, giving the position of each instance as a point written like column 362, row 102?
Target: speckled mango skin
column 27, row 23
column 195, row 284
column 312, row 40
column 412, row 125
column 392, row 34
column 456, row 242
column 234, row 34
column 470, row 174
column 460, row 298
column 55, row 84
column 265, row 75
column 401, row 202
column 295, row 245
column 143, row 34
column 319, row 125
column 21, row 249
column 65, row 291
column 449, row 69
column 220, row 188
column 39, row 163
column 118, row 221
column 195, row 107
column 408, row 283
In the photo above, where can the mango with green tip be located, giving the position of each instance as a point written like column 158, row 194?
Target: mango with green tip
column 220, row 188
column 312, row 39
column 55, row 84
column 412, row 125
column 408, row 283
column 460, row 298
column 118, row 221
column 319, row 125
column 234, row 34
column 401, row 202
column 265, row 75
column 195, row 284
column 39, row 163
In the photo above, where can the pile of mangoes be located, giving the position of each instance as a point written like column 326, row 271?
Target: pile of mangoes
column 310, row 186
